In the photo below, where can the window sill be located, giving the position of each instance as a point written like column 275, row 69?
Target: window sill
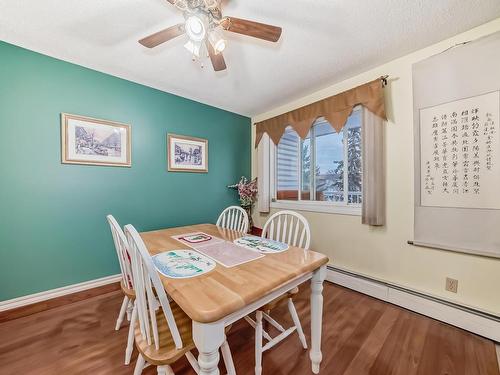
column 322, row 207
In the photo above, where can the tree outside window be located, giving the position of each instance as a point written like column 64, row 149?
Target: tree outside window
column 325, row 152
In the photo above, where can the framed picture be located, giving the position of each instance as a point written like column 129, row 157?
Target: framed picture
column 187, row 154
column 86, row 140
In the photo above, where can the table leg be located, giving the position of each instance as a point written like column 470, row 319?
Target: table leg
column 208, row 337
column 316, row 317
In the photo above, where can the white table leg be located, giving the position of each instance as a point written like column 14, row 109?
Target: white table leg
column 316, row 317
column 208, row 337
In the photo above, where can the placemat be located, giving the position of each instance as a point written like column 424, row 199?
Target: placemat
column 228, row 254
column 181, row 264
column 260, row 244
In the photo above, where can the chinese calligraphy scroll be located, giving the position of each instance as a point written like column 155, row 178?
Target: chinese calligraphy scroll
column 456, row 102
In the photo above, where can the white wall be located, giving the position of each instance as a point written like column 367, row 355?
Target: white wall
column 382, row 253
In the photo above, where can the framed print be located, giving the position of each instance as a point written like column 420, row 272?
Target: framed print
column 187, row 154
column 86, row 140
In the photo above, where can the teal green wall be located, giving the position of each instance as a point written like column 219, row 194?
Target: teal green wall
column 53, row 230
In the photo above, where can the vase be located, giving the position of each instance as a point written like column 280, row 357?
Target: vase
column 248, row 209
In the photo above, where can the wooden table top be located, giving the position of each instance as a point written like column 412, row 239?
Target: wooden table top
column 222, row 291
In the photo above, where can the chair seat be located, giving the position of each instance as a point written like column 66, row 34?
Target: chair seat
column 167, row 353
column 130, row 293
column 275, row 302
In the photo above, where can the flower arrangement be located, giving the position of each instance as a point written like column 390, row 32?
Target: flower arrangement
column 247, row 190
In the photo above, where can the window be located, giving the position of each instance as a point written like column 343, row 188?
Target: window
column 310, row 174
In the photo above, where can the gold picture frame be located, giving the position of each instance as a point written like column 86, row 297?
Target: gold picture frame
column 91, row 141
column 187, row 154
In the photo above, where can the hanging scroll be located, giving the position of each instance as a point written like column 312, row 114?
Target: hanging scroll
column 456, row 96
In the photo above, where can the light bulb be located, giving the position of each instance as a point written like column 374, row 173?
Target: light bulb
column 220, row 45
column 217, row 41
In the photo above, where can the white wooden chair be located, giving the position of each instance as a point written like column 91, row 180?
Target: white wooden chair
column 235, row 218
column 292, row 228
column 163, row 332
column 127, row 284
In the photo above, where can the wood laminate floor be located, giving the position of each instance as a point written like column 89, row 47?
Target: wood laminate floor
column 361, row 335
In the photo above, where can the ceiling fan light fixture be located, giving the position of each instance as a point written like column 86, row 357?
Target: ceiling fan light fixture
column 196, row 27
column 217, row 40
column 193, row 47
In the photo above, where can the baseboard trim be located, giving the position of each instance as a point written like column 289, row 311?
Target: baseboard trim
column 482, row 324
column 33, row 303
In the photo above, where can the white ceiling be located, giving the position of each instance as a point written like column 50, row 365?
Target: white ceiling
column 323, row 42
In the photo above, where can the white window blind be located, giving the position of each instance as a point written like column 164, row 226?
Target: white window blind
column 287, row 160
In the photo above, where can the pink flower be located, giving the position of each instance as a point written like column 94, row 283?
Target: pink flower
column 247, row 190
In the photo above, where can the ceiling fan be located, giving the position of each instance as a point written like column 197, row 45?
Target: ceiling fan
column 204, row 24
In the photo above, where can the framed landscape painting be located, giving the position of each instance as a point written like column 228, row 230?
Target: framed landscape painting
column 86, row 140
column 187, row 154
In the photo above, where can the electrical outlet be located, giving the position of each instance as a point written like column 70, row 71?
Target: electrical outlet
column 451, row 285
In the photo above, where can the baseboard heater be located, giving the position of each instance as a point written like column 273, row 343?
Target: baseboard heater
column 476, row 321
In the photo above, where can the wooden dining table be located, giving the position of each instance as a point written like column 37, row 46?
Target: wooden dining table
column 224, row 295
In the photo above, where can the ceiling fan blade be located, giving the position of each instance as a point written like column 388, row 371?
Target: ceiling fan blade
column 217, row 59
column 251, row 28
column 162, row 36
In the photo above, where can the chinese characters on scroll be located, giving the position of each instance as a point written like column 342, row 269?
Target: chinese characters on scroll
column 460, row 165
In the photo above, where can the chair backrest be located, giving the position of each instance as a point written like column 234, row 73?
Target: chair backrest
column 235, row 218
column 149, row 292
column 122, row 251
column 289, row 227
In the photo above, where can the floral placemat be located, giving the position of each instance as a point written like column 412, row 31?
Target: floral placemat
column 260, row 244
column 181, row 264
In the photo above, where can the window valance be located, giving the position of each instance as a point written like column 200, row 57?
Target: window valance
column 335, row 109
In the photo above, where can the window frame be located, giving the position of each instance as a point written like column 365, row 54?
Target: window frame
column 343, row 208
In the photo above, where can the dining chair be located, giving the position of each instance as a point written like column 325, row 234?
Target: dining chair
column 126, row 284
column 163, row 332
column 235, row 218
column 292, row 228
